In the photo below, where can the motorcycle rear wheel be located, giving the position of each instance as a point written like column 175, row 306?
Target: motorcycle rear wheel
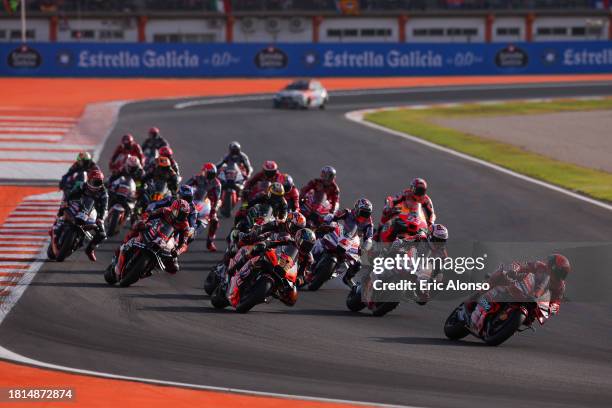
column 507, row 329
column 256, row 295
column 322, row 273
column 226, row 207
column 454, row 328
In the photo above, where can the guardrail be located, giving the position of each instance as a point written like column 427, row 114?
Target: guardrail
column 292, row 60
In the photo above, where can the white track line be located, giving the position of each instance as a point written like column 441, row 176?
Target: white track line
column 9, row 355
column 32, row 136
column 358, row 117
column 32, row 129
column 39, row 118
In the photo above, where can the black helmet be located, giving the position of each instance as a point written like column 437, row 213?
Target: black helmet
column 363, row 208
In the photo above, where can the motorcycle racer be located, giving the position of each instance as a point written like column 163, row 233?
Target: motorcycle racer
column 324, row 187
column 128, row 146
column 361, row 217
column 154, row 141
column 208, row 185
column 94, row 188
column 269, row 172
column 185, row 192
column 166, row 151
column 83, row 164
column 417, row 193
column 177, row 216
column 292, row 194
column 288, row 227
column 273, row 197
column 236, row 156
column 524, row 282
column 163, row 171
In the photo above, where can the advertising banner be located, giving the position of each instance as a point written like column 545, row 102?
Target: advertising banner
column 289, row 60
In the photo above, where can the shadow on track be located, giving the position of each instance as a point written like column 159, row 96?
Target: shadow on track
column 184, row 309
column 169, row 296
column 429, row 341
column 72, row 284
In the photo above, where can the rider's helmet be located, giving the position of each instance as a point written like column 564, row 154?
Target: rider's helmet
column 305, row 240
column 438, row 233
column 165, row 151
column 209, row 170
column 234, row 147
column 363, row 208
column 132, row 163
column 418, row 187
column 270, row 169
column 294, row 222
column 328, row 174
column 95, row 180
column 287, row 182
column 163, row 162
column 84, row 157
column 153, row 132
column 276, row 190
column 186, row 193
column 559, row 266
column 180, row 210
column 127, row 140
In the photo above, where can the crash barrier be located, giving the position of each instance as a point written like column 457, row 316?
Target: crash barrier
column 290, row 60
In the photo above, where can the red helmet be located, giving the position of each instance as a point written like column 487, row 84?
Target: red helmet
column 165, row 151
column 209, row 170
column 559, row 265
column 270, row 168
column 127, row 139
column 180, row 210
column 418, row 187
column 95, row 179
column 154, row 132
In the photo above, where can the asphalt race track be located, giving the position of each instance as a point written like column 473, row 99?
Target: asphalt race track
column 165, row 328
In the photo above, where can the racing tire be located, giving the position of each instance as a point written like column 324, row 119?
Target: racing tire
column 211, row 282
column 50, row 253
column 507, row 330
column 226, row 207
column 133, row 268
column 256, row 295
column 322, row 273
column 218, row 299
column 454, row 328
column 353, row 300
column 109, row 275
column 113, row 224
column 382, row 308
column 68, row 236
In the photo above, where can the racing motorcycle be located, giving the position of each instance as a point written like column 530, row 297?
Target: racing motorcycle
column 143, row 254
column 315, row 209
column 231, row 185
column 406, row 220
column 256, row 216
column 273, row 273
column 379, row 306
column 334, row 253
column 502, row 319
column 72, row 229
column 154, row 190
column 122, row 200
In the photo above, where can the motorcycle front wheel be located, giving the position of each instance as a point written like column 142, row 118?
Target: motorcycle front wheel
column 322, row 273
column 353, row 300
column 133, row 269
column 211, row 282
column 454, row 327
column 113, row 223
column 218, row 299
column 498, row 331
column 255, row 295
column 66, row 245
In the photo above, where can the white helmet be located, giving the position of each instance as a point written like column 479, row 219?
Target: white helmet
column 438, row 233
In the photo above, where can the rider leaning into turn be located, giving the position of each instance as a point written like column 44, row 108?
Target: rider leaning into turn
column 94, row 188
column 417, row 193
column 359, row 216
column 208, row 185
column 325, row 184
column 83, row 164
column 236, row 156
column 524, row 282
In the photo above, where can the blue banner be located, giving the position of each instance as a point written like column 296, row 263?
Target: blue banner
column 290, row 60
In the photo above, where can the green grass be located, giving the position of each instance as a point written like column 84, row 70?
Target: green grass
column 418, row 123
